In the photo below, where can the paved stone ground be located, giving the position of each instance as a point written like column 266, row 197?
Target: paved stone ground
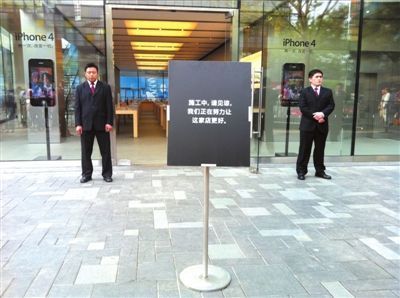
column 275, row 235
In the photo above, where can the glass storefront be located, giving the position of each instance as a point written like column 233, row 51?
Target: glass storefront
column 355, row 43
column 292, row 39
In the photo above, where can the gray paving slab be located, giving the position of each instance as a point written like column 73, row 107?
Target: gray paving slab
column 64, row 291
column 275, row 235
column 376, row 294
column 261, row 280
column 18, row 287
column 372, row 285
column 133, row 289
column 42, row 283
column 167, row 289
column 366, row 270
column 158, row 270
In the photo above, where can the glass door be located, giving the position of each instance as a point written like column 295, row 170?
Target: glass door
column 252, row 17
column 258, row 117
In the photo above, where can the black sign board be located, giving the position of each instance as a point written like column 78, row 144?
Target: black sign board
column 209, row 113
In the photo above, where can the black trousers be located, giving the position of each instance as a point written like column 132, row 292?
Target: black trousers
column 87, row 140
column 307, row 138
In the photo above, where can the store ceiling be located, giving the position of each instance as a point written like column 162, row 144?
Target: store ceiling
column 147, row 39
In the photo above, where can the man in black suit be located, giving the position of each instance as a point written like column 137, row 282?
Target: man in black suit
column 94, row 116
column 316, row 103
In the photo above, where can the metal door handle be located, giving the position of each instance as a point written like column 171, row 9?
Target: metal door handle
column 260, row 101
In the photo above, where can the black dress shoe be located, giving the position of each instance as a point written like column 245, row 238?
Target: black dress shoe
column 323, row 175
column 85, row 179
column 301, row 177
column 108, row 179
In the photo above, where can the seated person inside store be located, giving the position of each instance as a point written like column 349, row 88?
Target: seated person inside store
column 316, row 104
column 94, row 115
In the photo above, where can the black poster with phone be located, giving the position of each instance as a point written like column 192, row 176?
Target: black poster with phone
column 292, row 84
column 41, row 82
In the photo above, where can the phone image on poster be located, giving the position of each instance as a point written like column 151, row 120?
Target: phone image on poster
column 41, row 82
column 292, row 83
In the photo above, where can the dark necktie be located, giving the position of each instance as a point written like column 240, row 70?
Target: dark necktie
column 316, row 91
column 92, row 88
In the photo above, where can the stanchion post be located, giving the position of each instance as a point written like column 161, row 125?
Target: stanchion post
column 203, row 277
column 206, row 170
column 46, row 123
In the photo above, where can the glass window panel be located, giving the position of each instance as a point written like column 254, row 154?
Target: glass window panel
column 318, row 34
column 75, row 44
column 378, row 124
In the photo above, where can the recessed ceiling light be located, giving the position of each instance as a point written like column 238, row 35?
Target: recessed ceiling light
column 156, row 46
column 170, row 25
column 161, row 32
column 152, row 67
column 154, row 56
column 152, row 63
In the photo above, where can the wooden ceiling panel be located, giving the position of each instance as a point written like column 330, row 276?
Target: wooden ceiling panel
column 170, row 15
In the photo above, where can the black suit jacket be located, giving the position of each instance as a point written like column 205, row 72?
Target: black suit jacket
column 310, row 103
column 93, row 112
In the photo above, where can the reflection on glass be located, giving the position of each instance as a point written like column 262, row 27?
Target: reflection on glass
column 379, row 93
column 145, row 86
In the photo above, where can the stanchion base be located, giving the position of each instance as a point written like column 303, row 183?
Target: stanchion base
column 217, row 279
column 53, row 157
column 290, row 154
column 253, row 170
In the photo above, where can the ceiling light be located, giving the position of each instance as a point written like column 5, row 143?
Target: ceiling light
column 160, row 25
column 151, row 67
column 156, row 46
column 160, row 32
column 152, row 63
column 159, row 28
column 154, row 56
column 77, row 10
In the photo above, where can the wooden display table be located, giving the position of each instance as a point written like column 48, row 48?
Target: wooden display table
column 161, row 113
column 130, row 110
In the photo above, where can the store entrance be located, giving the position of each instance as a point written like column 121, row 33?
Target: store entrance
column 144, row 41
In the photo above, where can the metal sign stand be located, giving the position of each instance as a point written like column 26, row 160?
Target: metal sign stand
column 46, row 124
column 205, row 277
column 287, row 153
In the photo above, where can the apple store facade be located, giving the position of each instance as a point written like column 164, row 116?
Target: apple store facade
column 45, row 45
